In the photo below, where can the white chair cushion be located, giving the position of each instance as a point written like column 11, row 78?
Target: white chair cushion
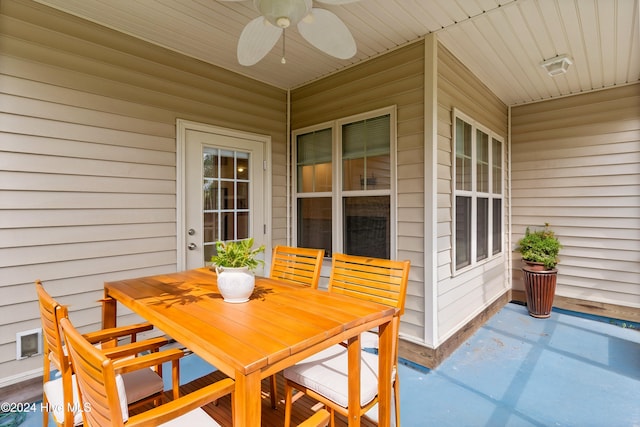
column 122, row 397
column 196, row 418
column 132, row 387
column 326, row 373
column 53, row 391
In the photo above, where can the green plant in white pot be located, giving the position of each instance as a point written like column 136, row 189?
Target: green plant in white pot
column 234, row 263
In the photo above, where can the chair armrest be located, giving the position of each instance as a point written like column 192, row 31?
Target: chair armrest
column 319, row 419
column 123, row 366
column 152, row 344
column 181, row 406
column 117, row 332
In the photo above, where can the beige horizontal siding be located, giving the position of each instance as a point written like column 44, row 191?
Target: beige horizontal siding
column 393, row 79
column 461, row 297
column 576, row 165
column 88, row 159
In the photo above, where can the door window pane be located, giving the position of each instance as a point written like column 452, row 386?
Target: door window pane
column 210, row 196
column 227, row 192
column 367, row 226
column 227, row 165
column 210, row 226
column 242, row 166
column 227, row 228
column 242, row 195
column 210, row 163
column 242, row 225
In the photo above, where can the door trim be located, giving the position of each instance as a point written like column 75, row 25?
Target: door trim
column 182, row 126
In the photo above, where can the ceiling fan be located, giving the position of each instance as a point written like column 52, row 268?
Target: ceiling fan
column 320, row 27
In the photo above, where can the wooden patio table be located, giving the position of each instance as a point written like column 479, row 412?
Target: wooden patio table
column 279, row 326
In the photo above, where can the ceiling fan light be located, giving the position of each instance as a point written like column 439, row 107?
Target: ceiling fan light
column 283, row 22
column 283, row 13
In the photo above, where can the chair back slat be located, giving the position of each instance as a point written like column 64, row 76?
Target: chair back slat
column 96, row 380
column 50, row 314
column 297, row 265
column 373, row 279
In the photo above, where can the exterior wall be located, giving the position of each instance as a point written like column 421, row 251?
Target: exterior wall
column 88, row 159
column 461, row 297
column 397, row 79
column 576, row 165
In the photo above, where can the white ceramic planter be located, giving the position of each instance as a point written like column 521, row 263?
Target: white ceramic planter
column 235, row 284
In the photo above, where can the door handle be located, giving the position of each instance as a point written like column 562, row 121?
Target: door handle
column 191, row 246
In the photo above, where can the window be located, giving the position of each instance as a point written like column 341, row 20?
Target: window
column 478, row 192
column 225, row 196
column 344, row 182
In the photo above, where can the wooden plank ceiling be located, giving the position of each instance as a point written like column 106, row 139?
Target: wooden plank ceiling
column 501, row 41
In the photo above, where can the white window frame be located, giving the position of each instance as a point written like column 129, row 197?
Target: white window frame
column 337, row 193
column 474, row 194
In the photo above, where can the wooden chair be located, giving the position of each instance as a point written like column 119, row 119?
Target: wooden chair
column 324, row 376
column 103, row 394
column 61, row 394
column 295, row 265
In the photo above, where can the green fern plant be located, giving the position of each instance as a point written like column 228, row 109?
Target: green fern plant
column 540, row 246
column 237, row 254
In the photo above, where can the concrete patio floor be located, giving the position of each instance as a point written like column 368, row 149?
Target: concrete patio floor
column 568, row 370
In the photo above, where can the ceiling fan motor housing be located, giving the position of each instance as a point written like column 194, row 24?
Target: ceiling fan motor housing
column 283, row 13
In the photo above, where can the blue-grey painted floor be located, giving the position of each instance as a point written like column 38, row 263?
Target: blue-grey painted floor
column 516, row 370
column 521, row 371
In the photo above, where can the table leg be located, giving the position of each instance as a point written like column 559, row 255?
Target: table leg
column 247, row 402
column 385, row 366
column 354, row 357
column 109, row 312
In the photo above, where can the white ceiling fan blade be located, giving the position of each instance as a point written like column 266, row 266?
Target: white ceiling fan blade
column 256, row 40
column 327, row 1
column 327, row 32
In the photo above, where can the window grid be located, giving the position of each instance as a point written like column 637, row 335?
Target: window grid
column 362, row 173
column 478, row 207
column 225, row 196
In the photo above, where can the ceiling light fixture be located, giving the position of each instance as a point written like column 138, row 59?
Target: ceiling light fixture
column 283, row 13
column 557, row 65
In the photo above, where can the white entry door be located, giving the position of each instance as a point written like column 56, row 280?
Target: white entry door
column 224, row 192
